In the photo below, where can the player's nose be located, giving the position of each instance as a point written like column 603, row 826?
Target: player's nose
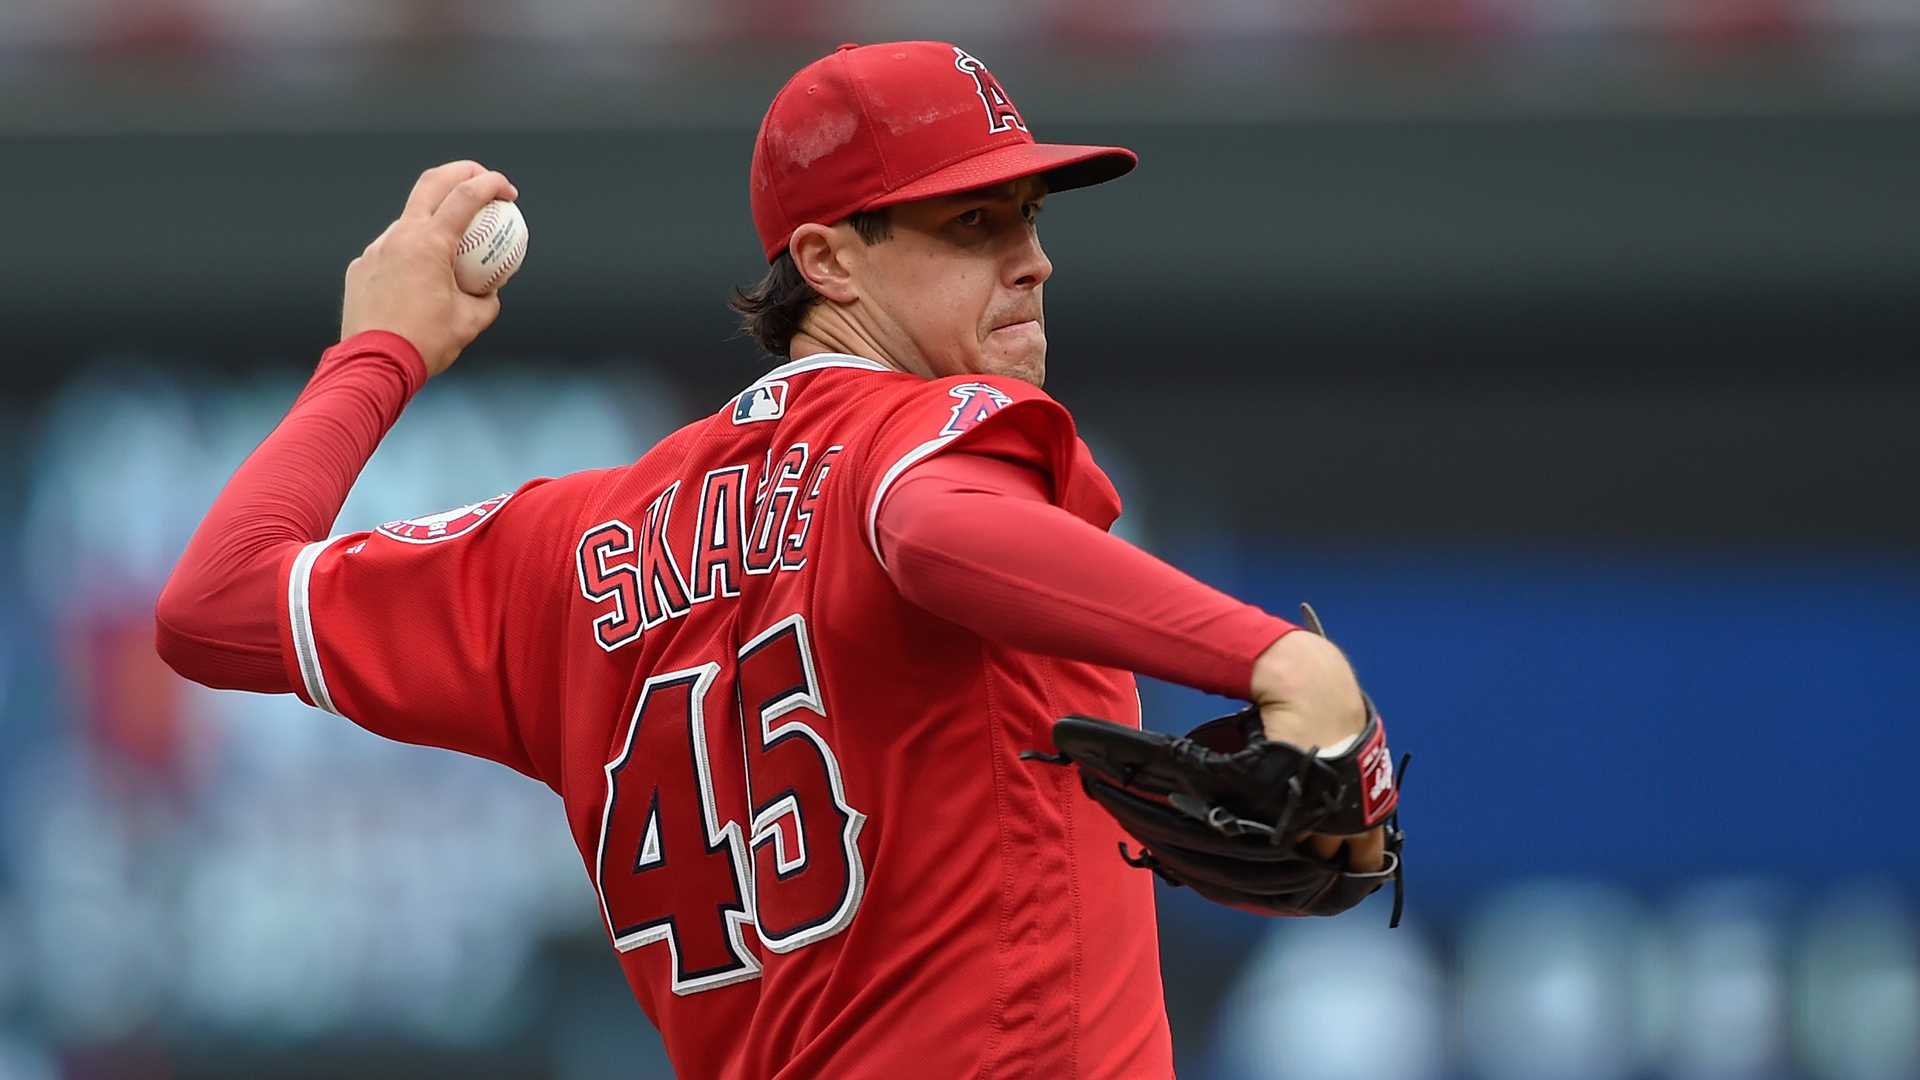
column 1027, row 264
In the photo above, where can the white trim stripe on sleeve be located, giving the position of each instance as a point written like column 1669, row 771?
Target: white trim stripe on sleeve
column 886, row 481
column 300, row 612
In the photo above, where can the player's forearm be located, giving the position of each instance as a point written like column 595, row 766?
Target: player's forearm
column 217, row 619
column 1018, row 570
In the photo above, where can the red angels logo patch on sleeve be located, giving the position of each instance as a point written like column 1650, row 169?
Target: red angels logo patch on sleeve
column 446, row 525
column 977, row 402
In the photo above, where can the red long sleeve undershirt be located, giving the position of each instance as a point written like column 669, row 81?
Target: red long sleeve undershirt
column 975, row 540
column 970, row 538
column 217, row 622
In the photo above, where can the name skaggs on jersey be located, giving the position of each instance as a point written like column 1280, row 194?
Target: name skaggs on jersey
column 639, row 573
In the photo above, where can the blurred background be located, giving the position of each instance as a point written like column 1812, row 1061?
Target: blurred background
column 1562, row 352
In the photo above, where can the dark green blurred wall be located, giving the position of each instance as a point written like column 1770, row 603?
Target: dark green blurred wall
column 1645, row 328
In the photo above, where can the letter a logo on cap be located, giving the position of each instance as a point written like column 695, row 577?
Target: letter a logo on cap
column 878, row 125
column 1001, row 114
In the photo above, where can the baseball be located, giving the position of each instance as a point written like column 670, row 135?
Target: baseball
column 491, row 249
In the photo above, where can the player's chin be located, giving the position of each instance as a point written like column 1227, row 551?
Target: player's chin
column 1018, row 351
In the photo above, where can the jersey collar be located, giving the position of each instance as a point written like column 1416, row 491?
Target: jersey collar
column 817, row 361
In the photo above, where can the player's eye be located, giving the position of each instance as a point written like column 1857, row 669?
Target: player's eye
column 972, row 217
column 1031, row 212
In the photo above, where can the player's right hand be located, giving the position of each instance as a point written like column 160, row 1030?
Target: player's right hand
column 403, row 282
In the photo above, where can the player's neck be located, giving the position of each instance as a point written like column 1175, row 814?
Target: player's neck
column 827, row 331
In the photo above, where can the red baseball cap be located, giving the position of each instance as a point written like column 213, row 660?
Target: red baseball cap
column 875, row 125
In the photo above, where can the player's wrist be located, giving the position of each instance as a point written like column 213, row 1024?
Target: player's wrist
column 383, row 345
column 1307, row 692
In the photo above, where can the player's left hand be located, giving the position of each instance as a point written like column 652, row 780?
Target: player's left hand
column 403, row 283
column 1366, row 852
column 1307, row 694
column 1246, row 810
column 1242, row 820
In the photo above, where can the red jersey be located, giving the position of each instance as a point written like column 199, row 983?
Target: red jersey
column 798, row 795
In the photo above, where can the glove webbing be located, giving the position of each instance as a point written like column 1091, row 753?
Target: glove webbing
column 1228, row 823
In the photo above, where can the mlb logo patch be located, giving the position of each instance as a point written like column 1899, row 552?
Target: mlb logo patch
column 763, row 401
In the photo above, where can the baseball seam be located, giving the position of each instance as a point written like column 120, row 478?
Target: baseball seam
column 508, row 264
column 478, row 232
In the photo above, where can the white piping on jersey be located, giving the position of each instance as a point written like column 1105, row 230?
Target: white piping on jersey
column 886, row 481
column 300, row 614
column 814, row 363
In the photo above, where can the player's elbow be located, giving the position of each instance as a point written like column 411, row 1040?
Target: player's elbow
column 218, row 624
column 191, row 633
column 174, row 616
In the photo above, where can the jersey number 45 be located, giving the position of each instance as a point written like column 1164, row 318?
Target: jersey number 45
column 727, row 814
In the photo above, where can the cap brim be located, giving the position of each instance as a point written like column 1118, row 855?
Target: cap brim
column 1063, row 165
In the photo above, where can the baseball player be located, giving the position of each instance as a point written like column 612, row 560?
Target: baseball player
column 783, row 669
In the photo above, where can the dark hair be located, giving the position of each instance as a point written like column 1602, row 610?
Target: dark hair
column 772, row 310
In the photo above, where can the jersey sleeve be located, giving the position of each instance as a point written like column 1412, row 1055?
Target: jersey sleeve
column 991, row 415
column 430, row 630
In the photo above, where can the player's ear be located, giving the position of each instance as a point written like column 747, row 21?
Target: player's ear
column 821, row 254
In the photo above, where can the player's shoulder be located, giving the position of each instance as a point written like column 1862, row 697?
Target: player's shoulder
column 972, row 398
column 966, row 407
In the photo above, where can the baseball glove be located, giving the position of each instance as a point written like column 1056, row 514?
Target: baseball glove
column 1223, row 810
